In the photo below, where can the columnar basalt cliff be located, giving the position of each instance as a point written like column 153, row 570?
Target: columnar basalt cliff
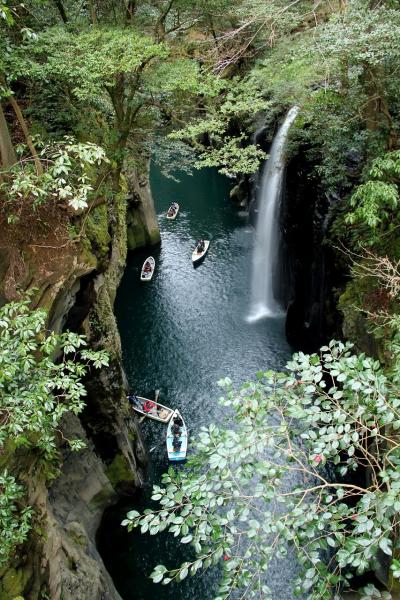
column 74, row 268
column 312, row 316
column 322, row 298
column 142, row 226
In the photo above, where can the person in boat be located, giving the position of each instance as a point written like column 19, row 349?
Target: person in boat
column 147, row 267
column 134, row 401
column 176, row 443
column 176, row 426
column 149, row 405
column 172, row 209
column 200, row 246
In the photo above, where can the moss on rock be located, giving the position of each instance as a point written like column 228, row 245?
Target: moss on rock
column 119, row 471
column 97, row 231
column 136, row 235
column 358, row 302
column 13, row 583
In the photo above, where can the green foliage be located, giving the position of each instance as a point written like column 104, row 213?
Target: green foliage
column 291, row 70
column 373, row 207
column 343, row 74
column 215, row 136
column 253, row 491
column 233, row 157
column 66, row 176
column 90, row 61
column 15, row 521
column 5, row 13
column 361, row 36
column 387, row 167
column 35, row 390
column 373, row 202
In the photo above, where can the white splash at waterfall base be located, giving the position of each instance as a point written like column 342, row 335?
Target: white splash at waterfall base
column 266, row 248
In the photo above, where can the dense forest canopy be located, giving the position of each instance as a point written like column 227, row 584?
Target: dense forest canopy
column 88, row 92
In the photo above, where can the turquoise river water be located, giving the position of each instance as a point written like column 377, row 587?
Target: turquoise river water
column 181, row 333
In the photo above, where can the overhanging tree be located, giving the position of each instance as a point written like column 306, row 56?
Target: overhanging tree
column 252, row 491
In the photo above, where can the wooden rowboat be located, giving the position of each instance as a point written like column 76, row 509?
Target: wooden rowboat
column 177, row 451
column 173, row 211
column 147, row 275
column 150, row 408
column 197, row 256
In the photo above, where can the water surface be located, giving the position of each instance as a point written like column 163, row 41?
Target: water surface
column 181, row 333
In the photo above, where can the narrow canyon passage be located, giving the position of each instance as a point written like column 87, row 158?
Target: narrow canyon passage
column 181, row 333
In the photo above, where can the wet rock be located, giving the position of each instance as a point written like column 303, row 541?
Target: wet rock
column 76, row 283
column 142, row 224
column 312, row 317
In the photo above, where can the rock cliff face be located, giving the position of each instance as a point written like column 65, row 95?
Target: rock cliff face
column 312, row 316
column 75, row 269
column 142, row 226
column 323, row 299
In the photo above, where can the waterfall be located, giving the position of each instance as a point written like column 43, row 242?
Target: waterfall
column 266, row 249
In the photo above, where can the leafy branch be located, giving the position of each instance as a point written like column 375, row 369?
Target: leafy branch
column 253, row 491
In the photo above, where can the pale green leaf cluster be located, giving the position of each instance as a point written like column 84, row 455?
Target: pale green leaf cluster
column 362, row 36
column 88, row 61
column 232, row 157
column 5, row 13
column 15, row 520
column 375, row 203
column 215, row 143
column 40, row 381
column 35, row 389
column 252, row 492
column 66, row 176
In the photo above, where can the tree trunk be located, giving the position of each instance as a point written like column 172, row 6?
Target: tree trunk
column 130, row 9
column 24, row 127
column 159, row 29
column 7, row 153
column 377, row 112
column 93, row 12
column 61, row 10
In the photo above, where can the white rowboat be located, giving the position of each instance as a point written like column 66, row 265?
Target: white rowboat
column 179, row 452
column 173, row 211
column 147, row 275
column 197, row 256
column 150, row 408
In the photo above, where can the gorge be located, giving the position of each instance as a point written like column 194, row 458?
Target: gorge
column 171, row 341
column 102, row 107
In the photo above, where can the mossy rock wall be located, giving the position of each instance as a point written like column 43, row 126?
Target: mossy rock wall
column 142, row 224
column 356, row 299
column 76, row 275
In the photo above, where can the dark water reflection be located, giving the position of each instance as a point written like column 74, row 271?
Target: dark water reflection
column 181, row 333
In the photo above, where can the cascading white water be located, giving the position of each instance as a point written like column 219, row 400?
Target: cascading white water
column 266, row 248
